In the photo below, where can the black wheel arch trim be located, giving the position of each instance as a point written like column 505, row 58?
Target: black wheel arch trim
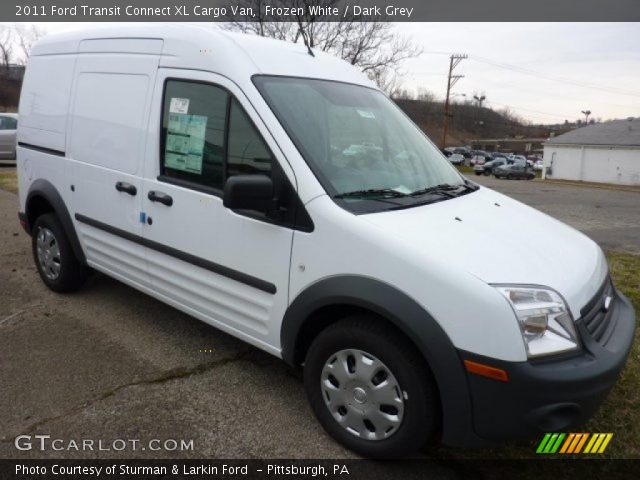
column 413, row 320
column 45, row 190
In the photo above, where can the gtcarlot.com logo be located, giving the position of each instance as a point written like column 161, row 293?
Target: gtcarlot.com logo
column 45, row 442
column 573, row 443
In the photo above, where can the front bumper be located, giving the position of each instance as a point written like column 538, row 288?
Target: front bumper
column 552, row 394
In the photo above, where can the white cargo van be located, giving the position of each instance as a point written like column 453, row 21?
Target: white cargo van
column 282, row 198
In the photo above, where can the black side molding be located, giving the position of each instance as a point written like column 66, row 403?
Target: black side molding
column 180, row 255
column 50, row 151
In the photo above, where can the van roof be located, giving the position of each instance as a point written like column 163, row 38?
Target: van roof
column 235, row 55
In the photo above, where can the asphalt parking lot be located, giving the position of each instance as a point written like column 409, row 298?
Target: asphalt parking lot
column 111, row 363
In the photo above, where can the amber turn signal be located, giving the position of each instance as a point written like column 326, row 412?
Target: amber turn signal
column 486, row 371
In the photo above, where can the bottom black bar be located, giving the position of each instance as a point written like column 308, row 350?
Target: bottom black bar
column 534, row 468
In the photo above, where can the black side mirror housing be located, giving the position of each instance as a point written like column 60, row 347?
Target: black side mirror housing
column 249, row 192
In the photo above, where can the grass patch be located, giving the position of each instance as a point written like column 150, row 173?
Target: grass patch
column 464, row 169
column 620, row 412
column 9, row 180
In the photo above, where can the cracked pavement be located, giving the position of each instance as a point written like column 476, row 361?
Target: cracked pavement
column 111, row 363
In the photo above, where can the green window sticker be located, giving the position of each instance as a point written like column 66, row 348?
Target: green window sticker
column 184, row 147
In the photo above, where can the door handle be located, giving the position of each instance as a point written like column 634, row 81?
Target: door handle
column 126, row 188
column 160, row 197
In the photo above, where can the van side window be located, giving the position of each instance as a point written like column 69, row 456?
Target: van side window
column 193, row 133
column 247, row 152
column 208, row 137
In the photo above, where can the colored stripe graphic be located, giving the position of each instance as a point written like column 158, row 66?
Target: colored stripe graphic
column 574, row 443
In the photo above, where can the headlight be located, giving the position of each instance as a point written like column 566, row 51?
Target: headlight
column 545, row 322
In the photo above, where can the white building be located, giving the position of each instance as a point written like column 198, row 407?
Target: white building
column 605, row 152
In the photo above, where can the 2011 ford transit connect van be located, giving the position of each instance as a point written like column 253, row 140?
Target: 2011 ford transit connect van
column 282, row 198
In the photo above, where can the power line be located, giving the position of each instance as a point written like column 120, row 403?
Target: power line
column 533, row 111
column 533, row 73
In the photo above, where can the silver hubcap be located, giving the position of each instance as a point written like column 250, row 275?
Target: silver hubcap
column 362, row 394
column 48, row 252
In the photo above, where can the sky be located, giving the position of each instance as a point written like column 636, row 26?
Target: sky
column 544, row 72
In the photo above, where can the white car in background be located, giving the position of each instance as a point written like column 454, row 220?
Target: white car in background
column 456, row 159
column 8, row 127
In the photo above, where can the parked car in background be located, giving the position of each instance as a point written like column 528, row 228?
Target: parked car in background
column 522, row 160
column 538, row 165
column 446, row 152
column 514, row 171
column 8, row 127
column 479, row 157
column 465, row 152
column 456, row 159
column 488, row 167
column 498, row 155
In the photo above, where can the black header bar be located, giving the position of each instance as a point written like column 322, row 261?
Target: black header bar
column 321, row 10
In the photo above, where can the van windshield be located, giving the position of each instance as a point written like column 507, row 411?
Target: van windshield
column 363, row 149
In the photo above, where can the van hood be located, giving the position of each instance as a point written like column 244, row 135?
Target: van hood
column 500, row 240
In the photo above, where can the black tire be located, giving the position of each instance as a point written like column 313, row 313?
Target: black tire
column 487, row 174
column 421, row 415
column 72, row 274
column 509, row 177
column 478, row 173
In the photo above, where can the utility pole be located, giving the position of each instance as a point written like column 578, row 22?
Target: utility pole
column 479, row 99
column 586, row 116
column 455, row 59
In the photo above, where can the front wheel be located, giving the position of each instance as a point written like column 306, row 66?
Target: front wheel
column 370, row 388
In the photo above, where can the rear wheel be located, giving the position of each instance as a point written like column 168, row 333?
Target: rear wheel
column 370, row 388
column 57, row 265
column 509, row 177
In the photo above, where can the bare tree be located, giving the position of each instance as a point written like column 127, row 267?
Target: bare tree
column 426, row 95
column 6, row 46
column 25, row 38
column 372, row 46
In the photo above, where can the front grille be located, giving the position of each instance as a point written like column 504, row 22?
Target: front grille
column 595, row 317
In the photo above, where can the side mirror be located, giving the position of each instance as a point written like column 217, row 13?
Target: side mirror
column 249, row 192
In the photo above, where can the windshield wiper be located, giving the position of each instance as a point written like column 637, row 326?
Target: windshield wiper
column 441, row 189
column 372, row 192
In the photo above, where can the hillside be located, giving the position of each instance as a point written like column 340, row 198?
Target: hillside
column 467, row 122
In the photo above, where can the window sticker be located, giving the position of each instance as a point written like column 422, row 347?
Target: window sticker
column 184, row 147
column 366, row 114
column 179, row 105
